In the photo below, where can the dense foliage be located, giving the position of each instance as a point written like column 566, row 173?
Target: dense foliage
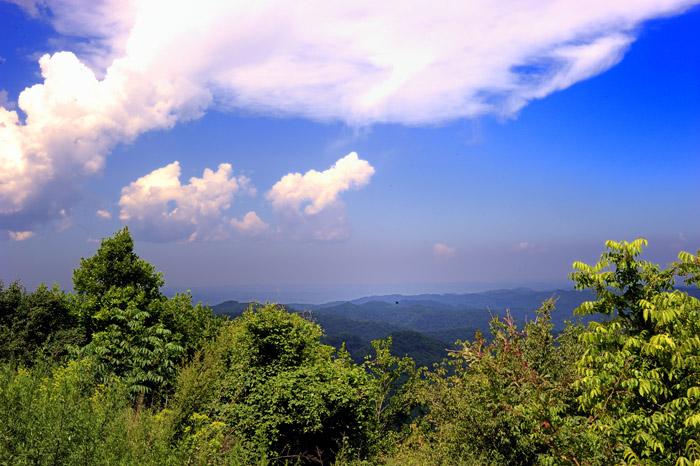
column 640, row 374
column 507, row 402
column 35, row 325
column 117, row 373
column 271, row 381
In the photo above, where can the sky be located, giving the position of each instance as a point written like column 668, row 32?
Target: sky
column 312, row 151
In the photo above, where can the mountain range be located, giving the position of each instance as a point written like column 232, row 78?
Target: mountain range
column 424, row 326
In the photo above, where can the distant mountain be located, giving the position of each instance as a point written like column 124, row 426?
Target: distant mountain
column 496, row 300
column 332, row 324
column 424, row 350
column 423, row 326
column 366, row 329
column 450, row 335
column 353, row 343
column 428, row 312
column 230, row 308
column 414, row 317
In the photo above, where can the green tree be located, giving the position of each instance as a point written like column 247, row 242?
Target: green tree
column 35, row 325
column 134, row 332
column 640, row 374
column 391, row 390
column 277, row 388
column 115, row 265
column 192, row 323
column 505, row 402
column 132, row 345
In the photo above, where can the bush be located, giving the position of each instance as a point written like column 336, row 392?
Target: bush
column 273, row 384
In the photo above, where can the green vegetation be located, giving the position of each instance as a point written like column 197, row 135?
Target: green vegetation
column 640, row 374
column 117, row 373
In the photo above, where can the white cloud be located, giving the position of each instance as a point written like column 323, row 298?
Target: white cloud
column 149, row 64
column 409, row 62
column 323, row 215
column 21, row 235
column 104, row 214
column 162, row 209
column 72, row 121
column 443, row 251
column 524, row 245
column 251, row 225
column 320, row 188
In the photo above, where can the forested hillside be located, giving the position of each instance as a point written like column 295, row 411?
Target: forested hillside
column 115, row 372
column 441, row 320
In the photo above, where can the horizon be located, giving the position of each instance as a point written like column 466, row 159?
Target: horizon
column 325, row 295
column 327, row 150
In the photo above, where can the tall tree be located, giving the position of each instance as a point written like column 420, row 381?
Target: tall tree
column 114, row 265
column 134, row 332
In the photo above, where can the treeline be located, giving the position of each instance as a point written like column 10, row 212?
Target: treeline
column 116, row 373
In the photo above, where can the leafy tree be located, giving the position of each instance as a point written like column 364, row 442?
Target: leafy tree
column 35, row 325
column 277, row 388
column 132, row 345
column 505, row 402
column 640, row 374
column 193, row 324
column 114, row 265
column 134, row 332
column 392, row 382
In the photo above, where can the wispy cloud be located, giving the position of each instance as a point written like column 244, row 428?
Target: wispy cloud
column 524, row 246
column 4, row 101
column 443, row 251
column 104, row 214
column 31, row 7
column 21, row 235
column 360, row 62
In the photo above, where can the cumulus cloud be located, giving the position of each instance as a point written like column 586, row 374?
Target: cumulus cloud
column 160, row 208
column 524, row 245
column 104, row 214
column 443, row 251
column 130, row 66
column 251, row 225
column 73, row 119
column 323, row 214
column 21, row 235
column 320, row 189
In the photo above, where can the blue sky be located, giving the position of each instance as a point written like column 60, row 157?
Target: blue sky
column 364, row 150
